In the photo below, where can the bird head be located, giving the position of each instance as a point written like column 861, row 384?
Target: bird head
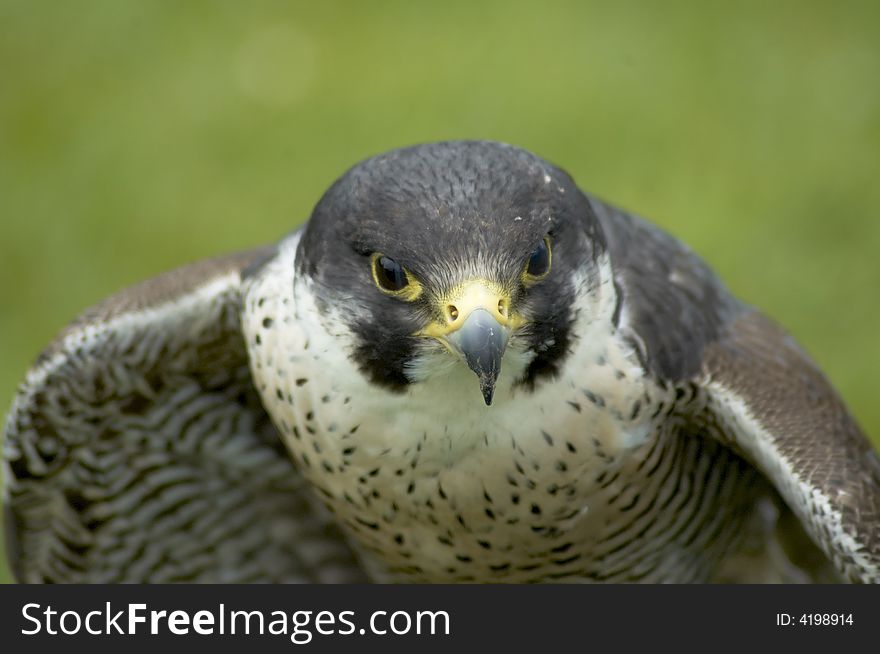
column 454, row 253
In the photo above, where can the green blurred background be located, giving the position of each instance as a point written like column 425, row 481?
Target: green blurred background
column 136, row 136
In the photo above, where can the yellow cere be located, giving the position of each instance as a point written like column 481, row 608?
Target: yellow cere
column 456, row 305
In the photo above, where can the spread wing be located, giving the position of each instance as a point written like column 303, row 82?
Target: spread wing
column 772, row 404
column 137, row 450
column 781, row 411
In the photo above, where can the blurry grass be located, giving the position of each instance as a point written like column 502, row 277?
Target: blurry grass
column 137, row 136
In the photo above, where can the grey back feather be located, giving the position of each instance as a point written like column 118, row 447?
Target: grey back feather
column 759, row 392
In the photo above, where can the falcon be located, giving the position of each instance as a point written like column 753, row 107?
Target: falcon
column 461, row 369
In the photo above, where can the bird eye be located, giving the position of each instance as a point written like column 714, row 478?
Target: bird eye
column 539, row 260
column 388, row 274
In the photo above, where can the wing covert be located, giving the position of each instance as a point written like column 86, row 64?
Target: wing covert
column 137, row 449
column 780, row 410
column 773, row 405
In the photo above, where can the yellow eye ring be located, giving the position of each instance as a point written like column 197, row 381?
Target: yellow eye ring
column 538, row 264
column 393, row 279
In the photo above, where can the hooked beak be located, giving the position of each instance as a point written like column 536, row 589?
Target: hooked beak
column 476, row 326
column 481, row 341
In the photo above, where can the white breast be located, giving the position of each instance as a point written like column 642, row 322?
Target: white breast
column 433, row 484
